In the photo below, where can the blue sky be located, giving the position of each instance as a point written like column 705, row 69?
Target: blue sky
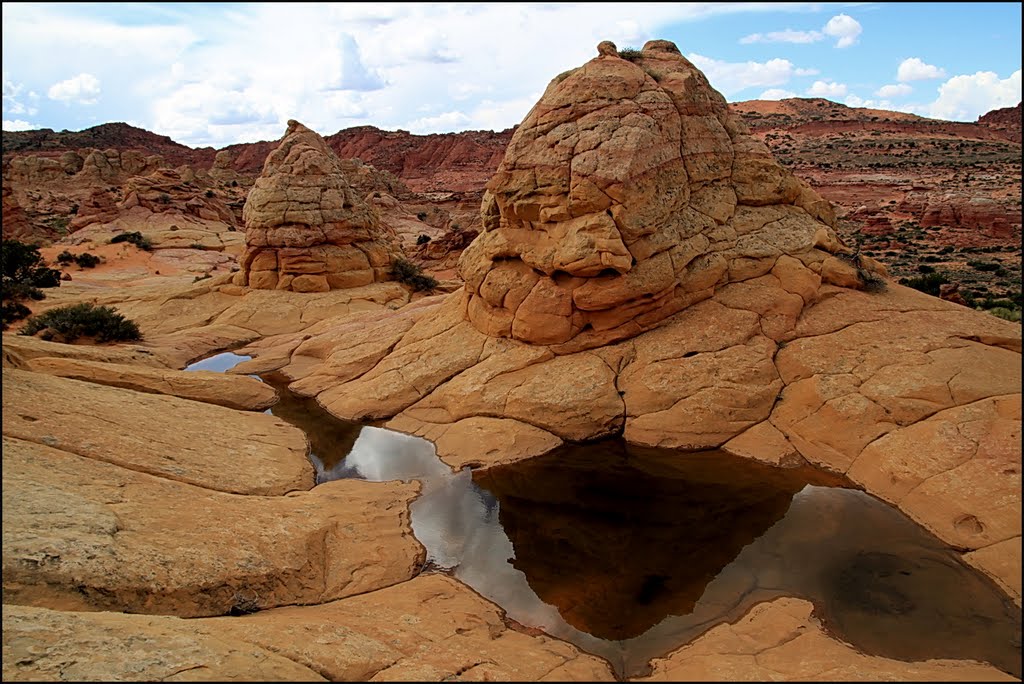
column 222, row 73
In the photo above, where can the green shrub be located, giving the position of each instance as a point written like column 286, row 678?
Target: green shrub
column 412, row 275
column 1012, row 315
column 22, row 263
column 928, row 283
column 134, row 237
column 210, row 194
column 925, row 268
column 86, row 260
column 631, row 54
column 65, row 257
column 82, row 320
column 421, row 215
column 422, row 239
column 11, row 311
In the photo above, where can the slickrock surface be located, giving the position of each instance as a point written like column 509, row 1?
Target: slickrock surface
column 781, row 641
column 431, row 628
column 158, row 435
column 630, row 192
column 306, row 230
column 129, row 507
column 188, row 322
column 232, row 391
column 781, row 343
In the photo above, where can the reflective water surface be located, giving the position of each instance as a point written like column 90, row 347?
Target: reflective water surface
column 629, row 553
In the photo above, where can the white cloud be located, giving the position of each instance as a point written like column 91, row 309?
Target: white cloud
column 784, row 36
column 845, row 28
column 12, row 103
column 81, row 89
column 966, row 97
column 18, row 125
column 354, row 74
column 895, row 90
column 776, row 94
column 857, row 101
column 827, row 89
column 442, row 122
column 914, row 69
column 732, row 77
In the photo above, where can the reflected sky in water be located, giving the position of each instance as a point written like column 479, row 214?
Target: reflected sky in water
column 877, row 579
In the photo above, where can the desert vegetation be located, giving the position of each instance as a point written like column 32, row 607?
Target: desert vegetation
column 24, row 274
column 74, row 321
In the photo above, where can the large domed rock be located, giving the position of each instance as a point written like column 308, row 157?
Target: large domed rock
column 628, row 193
column 305, row 228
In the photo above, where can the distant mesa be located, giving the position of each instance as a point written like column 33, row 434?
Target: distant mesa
column 630, row 192
column 306, row 229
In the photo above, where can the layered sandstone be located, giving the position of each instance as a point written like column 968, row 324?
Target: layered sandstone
column 629, row 193
column 785, row 360
column 306, row 230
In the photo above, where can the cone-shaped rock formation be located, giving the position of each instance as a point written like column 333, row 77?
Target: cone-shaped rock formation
column 628, row 193
column 305, row 228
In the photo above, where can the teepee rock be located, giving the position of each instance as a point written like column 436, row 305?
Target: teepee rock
column 306, row 229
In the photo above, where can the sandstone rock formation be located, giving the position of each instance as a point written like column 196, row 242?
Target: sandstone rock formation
column 431, row 628
column 782, row 641
column 305, row 228
column 783, row 359
column 630, row 192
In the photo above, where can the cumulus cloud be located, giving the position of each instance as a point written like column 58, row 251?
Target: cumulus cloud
column 966, row 97
column 776, row 94
column 829, row 89
column 894, row 90
column 844, row 28
column 81, row 89
column 914, row 69
column 18, row 125
column 732, row 77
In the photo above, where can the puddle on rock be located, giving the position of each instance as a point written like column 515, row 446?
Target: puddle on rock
column 217, row 362
column 629, row 553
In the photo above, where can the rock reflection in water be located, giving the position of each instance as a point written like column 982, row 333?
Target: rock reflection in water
column 629, row 553
column 651, row 548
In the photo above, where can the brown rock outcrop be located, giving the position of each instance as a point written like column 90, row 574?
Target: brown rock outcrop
column 630, row 192
column 783, row 641
column 306, row 229
column 431, row 628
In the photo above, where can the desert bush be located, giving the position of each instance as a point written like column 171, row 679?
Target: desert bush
column 24, row 272
column 86, row 260
column 134, row 237
column 65, row 258
column 928, row 283
column 421, row 215
column 82, row 320
column 412, row 275
column 22, row 263
column 210, row 194
column 1012, row 315
column 631, row 54
column 422, row 239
